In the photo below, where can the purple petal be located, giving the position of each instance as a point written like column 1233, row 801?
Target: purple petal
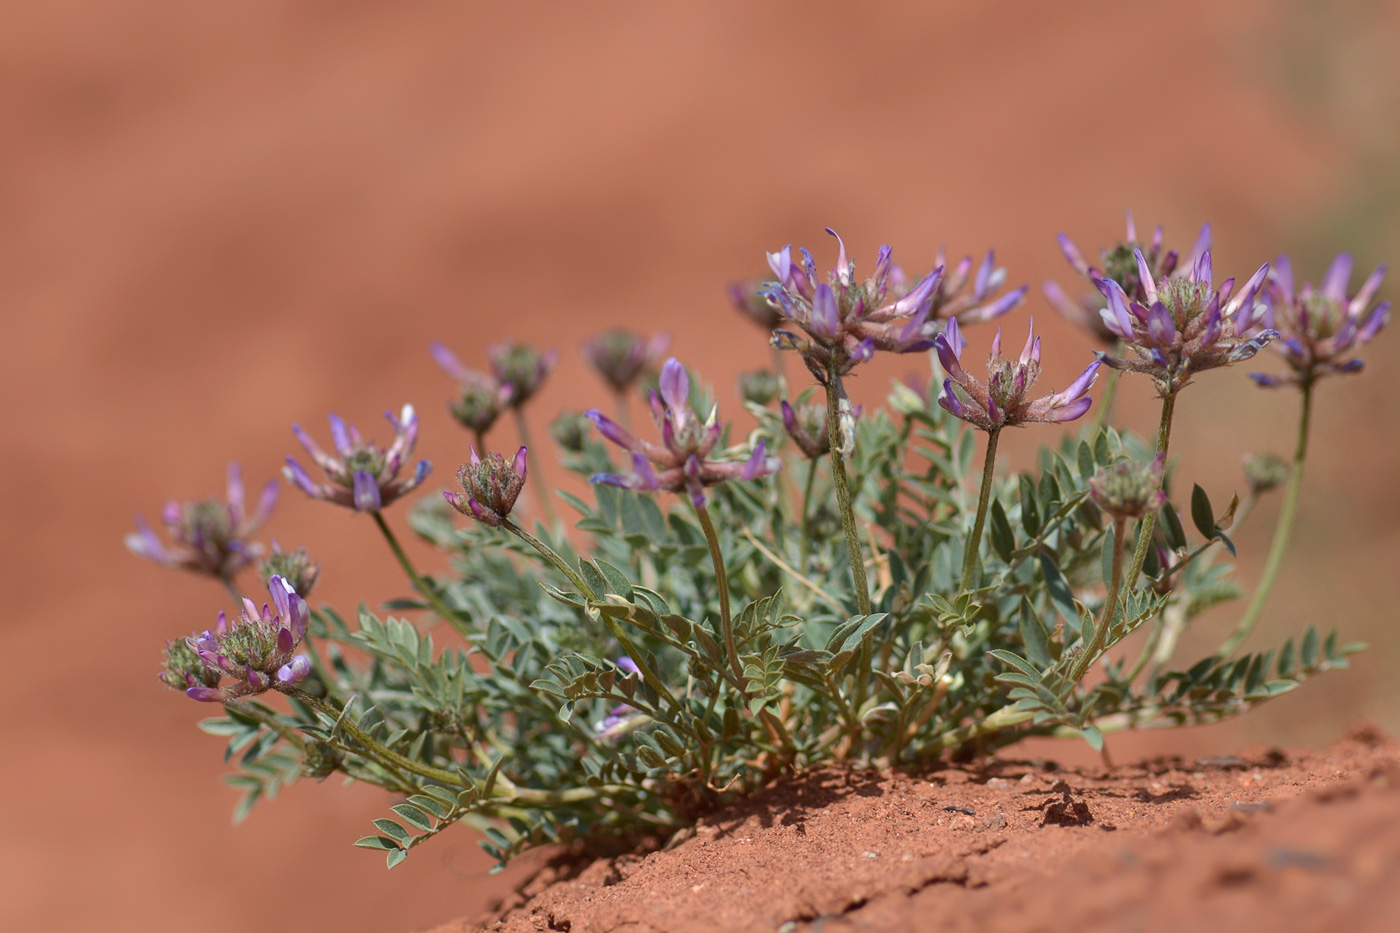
column 1243, row 303
column 1265, row 380
column 1149, row 287
column 781, row 263
column 266, row 502
column 1161, row 329
column 294, row 671
column 1059, row 300
column 789, row 418
column 1002, row 305
column 675, row 384
column 144, row 543
column 1283, row 278
column 825, row 321
column 1031, row 345
column 1374, row 322
column 1334, row 284
column 205, row 694
column 235, row 494
column 1248, row 348
column 299, row 478
column 950, row 401
column 1367, row 292
column 692, row 481
column 286, row 641
column 757, row 460
column 627, row 665
column 864, row 351
column 1072, row 253
column 919, row 296
column 1071, row 411
column 984, row 275
column 519, row 463
column 1132, row 228
column 1079, row 386
column 843, row 265
column 645, row 477
column 610, row 429
column 949, row 358
column 996, row 345
column 367, row 498
column 1201, row 272
column 447, row 361
column 1198, row 248
column 323, row 460
column 340, row 436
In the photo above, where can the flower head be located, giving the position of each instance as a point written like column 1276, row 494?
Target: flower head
column 1119, row 264
column 257, row 649
column 1320, row 325
column 362, row 476
column 521, row 369
column 1264, row 472
column 183, row 668
column 1005, row 398
column 295, row 567
column 1129, row 489
column 481, row 398
column 570, row 430
column 806, row 423
column 1184, row 325
column 682, row 461
column 620, row 356
column 492, row 484
column 844, row 321
column 208, row 536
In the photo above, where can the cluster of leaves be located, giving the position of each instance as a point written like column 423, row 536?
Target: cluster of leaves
column 607, row 706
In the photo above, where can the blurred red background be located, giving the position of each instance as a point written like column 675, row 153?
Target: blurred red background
column 216, row 219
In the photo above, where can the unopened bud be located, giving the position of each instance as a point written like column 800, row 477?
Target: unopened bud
column 492, row 484
column 570, row 430
column 759, row 388
column 296, row 567
column 1128, row 489
column 1265, row 471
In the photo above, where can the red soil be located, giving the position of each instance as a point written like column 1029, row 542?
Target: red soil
column 1266, row 840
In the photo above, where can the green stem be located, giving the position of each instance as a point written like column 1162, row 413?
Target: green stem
column 272, row 722
column 1003, row 718
column 984, row 497
column 554, row 559
column 232, row 589
column 1149, row 521
column 834, row 393
column 373, row 747
column 1115, row 581
column 424, row 589
column 1282, row 532
column 540, row 481
column 722, row 581
column 806, row 514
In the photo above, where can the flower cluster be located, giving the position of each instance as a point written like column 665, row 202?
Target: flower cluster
column 257, row 650
column 1120, row 265
column 1321, row 326
column 481, row 398
column 491, row 485
column 620, row 356
column 806, row 423
column 682, row 462
column 1129, row 489
column 1004, row 400
column 295, row 567
column 521, row 369
column 207, row 536
column 362, row 476
column 845, row 321
column 1183, row 325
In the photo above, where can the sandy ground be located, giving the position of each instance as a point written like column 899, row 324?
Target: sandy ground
column 216, row 219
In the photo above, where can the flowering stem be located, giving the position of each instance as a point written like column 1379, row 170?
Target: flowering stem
column 1149, row 521
column 425, row 590
column 621, row 400
column 1003, row 718
column 984, row 497
column 834, row 394
column 722, row 580
column 373, row 747
column 1282, row 531
column 554, row 559
column 803, row 533
column 538, row 465
column 272, row 722
column 1110, row 603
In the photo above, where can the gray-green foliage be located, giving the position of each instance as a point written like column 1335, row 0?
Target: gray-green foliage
column 529, row 728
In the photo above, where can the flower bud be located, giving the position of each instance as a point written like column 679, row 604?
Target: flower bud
column 570, row 430
column 183, row 668
column 522, row 368
column 491, row 485
column 482, row 401
column 760, row 387
column 1265, row 471
column 296, row 567
column 1128, row 489
column 321, row 760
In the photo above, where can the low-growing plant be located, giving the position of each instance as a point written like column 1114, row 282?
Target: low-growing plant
column 839, row 585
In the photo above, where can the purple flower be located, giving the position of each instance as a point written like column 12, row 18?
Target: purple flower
column 491, row 485
column 1005, row 399
column 620, row 356
column 295, row 567
column 481, row 398
column 1184, row 325
column 1120, row 265
column 362, row 476
column 845, row 321
column 257, row 650
column 681, row 462
column 1321, row 325
column 521, row 368
column 207, row 536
